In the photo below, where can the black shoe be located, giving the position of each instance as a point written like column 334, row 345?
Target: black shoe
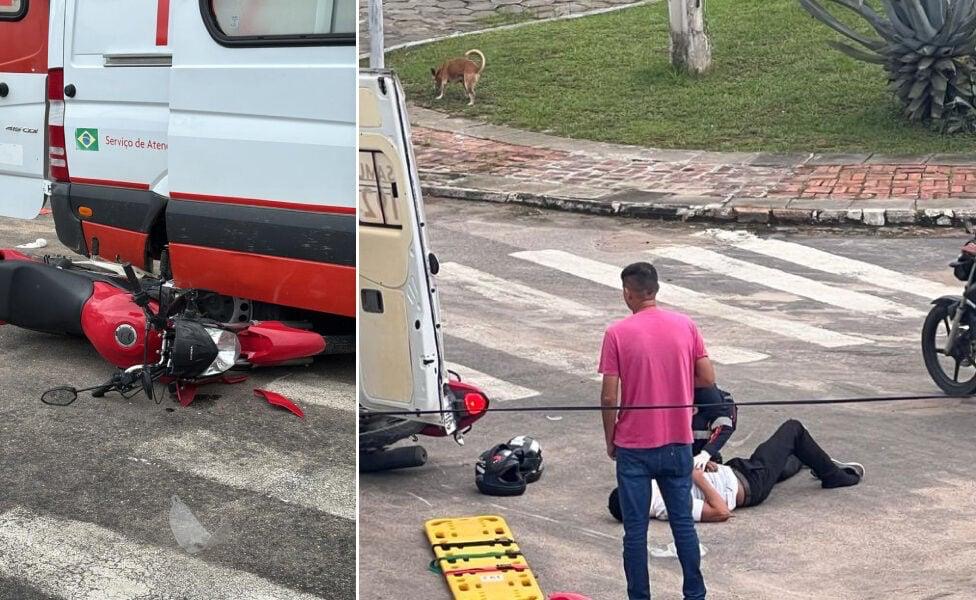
column 854, row 468
column 839, row 478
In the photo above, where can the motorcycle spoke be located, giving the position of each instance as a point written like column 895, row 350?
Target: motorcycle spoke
column 955, row 374
column 946, row 322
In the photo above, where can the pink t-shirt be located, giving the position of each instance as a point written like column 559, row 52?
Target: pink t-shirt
column 654, row 353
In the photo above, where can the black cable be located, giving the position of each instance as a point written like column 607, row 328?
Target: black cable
column 818, row 401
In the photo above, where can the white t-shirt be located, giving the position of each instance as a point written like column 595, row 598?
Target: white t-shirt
column 723, row 480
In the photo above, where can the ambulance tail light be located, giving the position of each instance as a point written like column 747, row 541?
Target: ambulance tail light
column 57, row 153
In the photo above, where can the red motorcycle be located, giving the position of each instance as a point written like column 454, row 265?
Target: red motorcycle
column 151, row 331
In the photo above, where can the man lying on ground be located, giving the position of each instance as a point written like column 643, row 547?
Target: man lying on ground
column 720, row 489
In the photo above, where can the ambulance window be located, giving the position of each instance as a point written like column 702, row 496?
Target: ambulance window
column 379, row 195
column 12, row 10
column 281, row 22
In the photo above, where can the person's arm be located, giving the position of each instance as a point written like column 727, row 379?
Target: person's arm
column 715, row 509
column 609, row 398
column 704, row 372
column 610, row 394
column 720, row 435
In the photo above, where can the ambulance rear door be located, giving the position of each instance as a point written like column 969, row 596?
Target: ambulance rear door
column 401, row 362
column 23, row 106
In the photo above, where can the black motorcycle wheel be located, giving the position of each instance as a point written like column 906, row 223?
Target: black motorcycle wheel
column 954, row 374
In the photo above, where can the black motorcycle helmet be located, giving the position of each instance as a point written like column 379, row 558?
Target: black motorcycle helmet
column 529, row 453
column 497, row 472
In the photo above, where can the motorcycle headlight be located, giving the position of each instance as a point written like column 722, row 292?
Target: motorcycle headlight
column 228, row 349
column 200, row 351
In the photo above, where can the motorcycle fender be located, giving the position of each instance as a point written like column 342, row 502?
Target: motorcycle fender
column 948, row 301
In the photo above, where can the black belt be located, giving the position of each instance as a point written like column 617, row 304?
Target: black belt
column 746, row 492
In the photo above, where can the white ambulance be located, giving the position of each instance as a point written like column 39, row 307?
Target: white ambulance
column 401, row 352
column 210, row 140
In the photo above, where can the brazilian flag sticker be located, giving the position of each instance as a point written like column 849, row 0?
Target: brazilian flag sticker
column 87, row 139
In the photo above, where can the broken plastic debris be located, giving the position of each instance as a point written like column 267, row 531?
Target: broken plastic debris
column 554, row 418
column 278, row 400
column 189, row 533
column 38, row 243
column 671, row 551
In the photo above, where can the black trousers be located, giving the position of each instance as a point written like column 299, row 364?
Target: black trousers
column 779, row 458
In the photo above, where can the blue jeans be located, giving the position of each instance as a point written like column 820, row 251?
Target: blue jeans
column 671, row 467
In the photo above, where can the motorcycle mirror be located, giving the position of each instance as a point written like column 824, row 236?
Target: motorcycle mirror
column 60, row 396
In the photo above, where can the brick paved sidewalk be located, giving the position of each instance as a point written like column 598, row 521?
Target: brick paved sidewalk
column 414, row 20
column 467, row 159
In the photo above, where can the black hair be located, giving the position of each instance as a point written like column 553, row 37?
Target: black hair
column 614, row 505
column 640, row 277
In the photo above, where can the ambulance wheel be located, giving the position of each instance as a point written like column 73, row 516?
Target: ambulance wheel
column 398, row 458
column 952, row 369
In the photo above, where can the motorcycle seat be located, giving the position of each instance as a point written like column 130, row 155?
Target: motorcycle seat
column 43, row 298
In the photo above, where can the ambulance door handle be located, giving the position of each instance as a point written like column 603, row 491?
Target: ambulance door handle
column 70, row 90
column 4, row 90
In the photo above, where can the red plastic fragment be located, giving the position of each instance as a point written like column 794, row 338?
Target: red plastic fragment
column 567, row 596
column 279, row 400
column 232, row 379
column 185, row 393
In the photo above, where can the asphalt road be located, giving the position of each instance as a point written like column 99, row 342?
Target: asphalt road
column 526, row 297
column 85, row 490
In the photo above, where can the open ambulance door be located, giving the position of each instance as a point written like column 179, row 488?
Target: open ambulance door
column 401, row 363
column 23, row 106
column 262, row 138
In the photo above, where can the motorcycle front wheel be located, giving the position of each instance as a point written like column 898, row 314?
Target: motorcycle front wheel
column 954, row 373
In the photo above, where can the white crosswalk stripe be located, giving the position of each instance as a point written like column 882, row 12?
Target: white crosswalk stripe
column 240, row 464
column 827, row 262
column 510, row 292
column 786, row 282
column 502, row 339
column 691, row 301
column 308, row 388
column 729, row 355
column 497, row 389
column 483, row 334
column 82, row 561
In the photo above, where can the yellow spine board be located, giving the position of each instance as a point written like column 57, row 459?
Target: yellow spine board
column 480, row 559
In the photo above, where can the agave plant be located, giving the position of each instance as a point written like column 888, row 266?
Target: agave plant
column 928, row 48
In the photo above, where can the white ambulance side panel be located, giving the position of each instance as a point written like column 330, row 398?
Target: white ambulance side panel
column 401, row 361
column 271, row 124
column 117, row 58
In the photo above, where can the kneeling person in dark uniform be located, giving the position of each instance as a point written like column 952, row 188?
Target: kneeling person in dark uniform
column 713, row 423
column 740, row 482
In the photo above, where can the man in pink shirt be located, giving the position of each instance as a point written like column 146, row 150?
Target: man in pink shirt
column 653, row 357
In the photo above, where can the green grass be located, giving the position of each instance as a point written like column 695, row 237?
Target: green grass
column 775, row 84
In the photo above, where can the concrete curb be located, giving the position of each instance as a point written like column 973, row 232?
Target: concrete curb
column 694, row 208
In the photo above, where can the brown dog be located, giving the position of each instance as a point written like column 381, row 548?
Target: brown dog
column 459, row 69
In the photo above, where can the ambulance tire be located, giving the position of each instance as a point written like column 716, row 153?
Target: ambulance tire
column 397, row 458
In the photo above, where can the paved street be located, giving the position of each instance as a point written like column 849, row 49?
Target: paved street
column 86, row 489
column 788, row 315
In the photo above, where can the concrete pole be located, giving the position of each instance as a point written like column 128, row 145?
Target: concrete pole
column 690, row 48
column 376, row 34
